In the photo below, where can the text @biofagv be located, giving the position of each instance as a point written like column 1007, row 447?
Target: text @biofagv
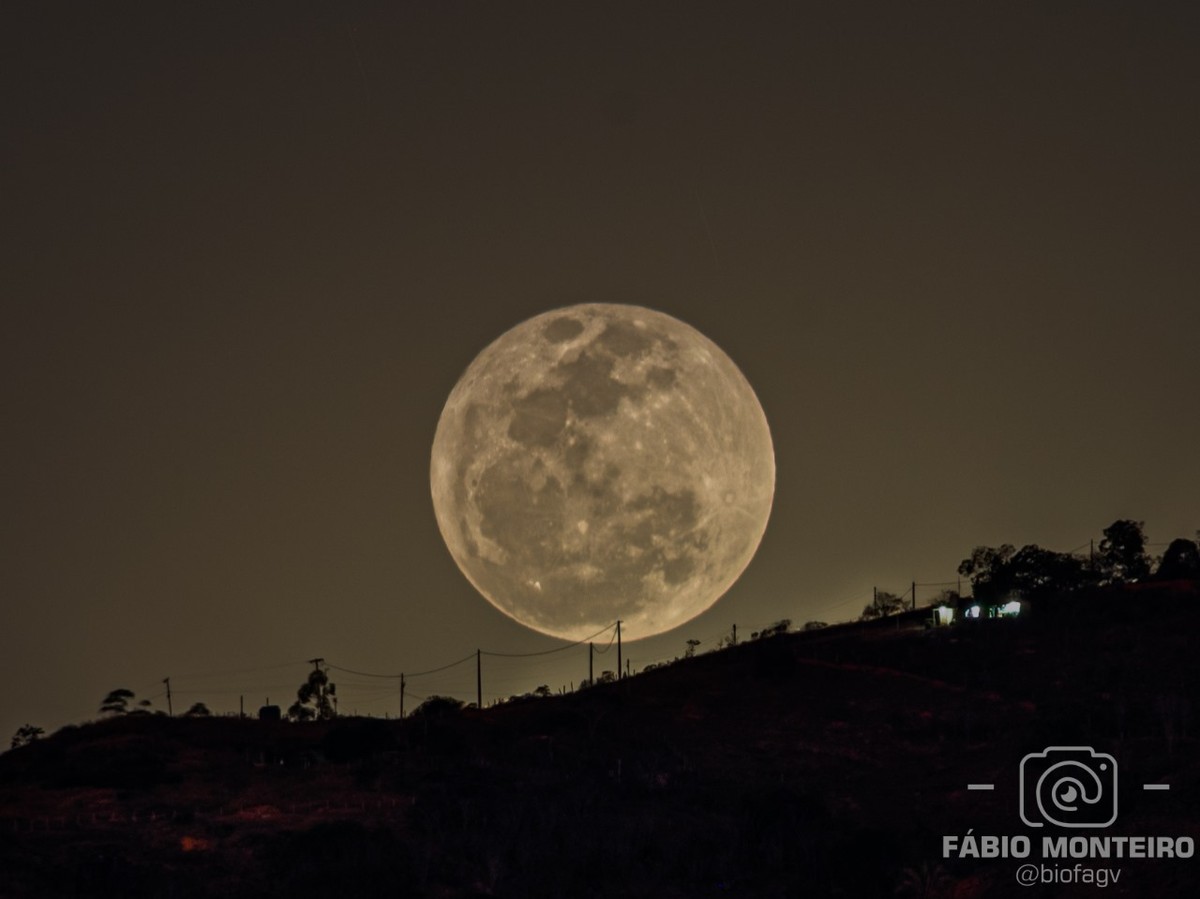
column 1058, row 852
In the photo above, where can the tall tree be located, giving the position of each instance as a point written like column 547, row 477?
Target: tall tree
column 988, row 570
column 315, row 697
column 1122, row 556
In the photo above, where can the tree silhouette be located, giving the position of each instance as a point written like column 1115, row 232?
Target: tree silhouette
column 947, row 598
column 116, row 702
column 315, row 698
column 1181, row 560
column 987, row 568
column 1122, row 556
column 691, row 648
column 198, row 710
column 885, row 604
column 26, row 735
column 1035, row 572
column 437, row 706
column 997, row 573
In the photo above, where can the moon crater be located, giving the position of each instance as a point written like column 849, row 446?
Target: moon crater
column 601, row 462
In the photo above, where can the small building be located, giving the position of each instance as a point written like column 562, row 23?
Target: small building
column 270, row 713
column 970, row 610
column 1011, row 608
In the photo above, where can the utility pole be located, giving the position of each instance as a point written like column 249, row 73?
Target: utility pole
column 875, row 598
column 401, row 695
column 914, row 601
column 170, row 711
column 242, row 706
column 735, row 635
column 619, row 649
column 479, row 678
column 591, row 654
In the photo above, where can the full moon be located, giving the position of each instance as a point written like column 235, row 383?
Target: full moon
column 602, row 462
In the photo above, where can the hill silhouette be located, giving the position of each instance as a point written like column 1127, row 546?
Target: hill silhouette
column 825, row 763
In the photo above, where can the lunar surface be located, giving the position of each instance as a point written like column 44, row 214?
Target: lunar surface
column 600, row 462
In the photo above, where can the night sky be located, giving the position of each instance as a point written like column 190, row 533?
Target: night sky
column 248, row 249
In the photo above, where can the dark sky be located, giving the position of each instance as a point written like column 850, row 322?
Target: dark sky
column 249, row 248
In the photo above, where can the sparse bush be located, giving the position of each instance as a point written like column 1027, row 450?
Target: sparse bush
column 885, row 604
column 782, row 626
column 438, row 707
column 949, row 598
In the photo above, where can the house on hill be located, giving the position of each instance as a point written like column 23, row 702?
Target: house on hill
column 969, row 609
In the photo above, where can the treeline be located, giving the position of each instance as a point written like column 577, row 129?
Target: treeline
column 1031, row 572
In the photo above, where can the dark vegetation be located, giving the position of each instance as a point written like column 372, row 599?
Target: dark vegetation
column 1032, row 572
column 827, row 762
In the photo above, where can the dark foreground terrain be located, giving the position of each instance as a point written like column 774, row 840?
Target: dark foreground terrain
column 829, row 763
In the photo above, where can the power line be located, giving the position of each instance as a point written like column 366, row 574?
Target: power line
column 506, row 655
column 546, row 652
column 237, row 671
column 403, row 674
column 607, row 646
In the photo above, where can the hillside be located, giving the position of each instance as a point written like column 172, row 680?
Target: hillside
column 828, row 763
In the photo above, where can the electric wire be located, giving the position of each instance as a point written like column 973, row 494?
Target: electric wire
column 205, row 674
column 402, row 674
column 546, row 652
column 607, row 646
column 369, row 693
